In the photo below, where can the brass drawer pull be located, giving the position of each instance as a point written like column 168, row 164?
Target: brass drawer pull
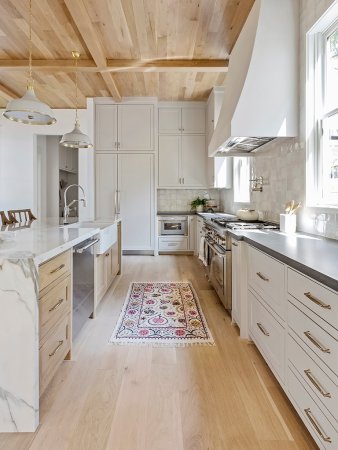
column 316, row 426
column 56, row 349
column 316, row 343
column 316, row 383
column 262, row 277
column 234, row 244
column 263, row 330
column 57, row 269
column 316, row 300
column 53, row 308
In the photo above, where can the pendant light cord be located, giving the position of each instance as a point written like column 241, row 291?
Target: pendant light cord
column 76, row 118
column 30, row 78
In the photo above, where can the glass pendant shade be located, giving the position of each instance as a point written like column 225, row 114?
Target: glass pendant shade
column 29, row 110
column 76, row 138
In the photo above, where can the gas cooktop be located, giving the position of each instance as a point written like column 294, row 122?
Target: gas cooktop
column 242, row 225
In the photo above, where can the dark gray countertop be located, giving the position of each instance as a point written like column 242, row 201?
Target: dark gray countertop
column 314, row 256
column 176, row 213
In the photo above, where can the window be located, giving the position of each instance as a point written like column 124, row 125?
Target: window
column 241, row 179
column 329, row 153
column 322, row 110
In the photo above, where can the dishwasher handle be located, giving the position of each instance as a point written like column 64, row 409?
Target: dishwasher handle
column 82, row 249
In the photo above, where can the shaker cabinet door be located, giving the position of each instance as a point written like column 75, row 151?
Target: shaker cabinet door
column 106, row 185
column 136, row 200
column 135, row 127
column 169, row 161
column 106, row 127
column 193, row 120
column 194, row 161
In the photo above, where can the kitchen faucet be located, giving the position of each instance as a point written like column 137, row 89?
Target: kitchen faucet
column 67, row 208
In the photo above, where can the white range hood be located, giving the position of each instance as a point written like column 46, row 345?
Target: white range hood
column 260, row 100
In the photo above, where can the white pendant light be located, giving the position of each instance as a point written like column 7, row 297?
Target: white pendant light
column 29, row 109
column 76, row 138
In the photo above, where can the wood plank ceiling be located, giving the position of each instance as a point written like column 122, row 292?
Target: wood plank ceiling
column 171, row 49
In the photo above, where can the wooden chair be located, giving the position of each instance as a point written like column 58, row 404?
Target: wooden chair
column 4, row 219
column 20, row 215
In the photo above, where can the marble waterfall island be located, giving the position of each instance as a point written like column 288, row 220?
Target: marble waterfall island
column 21, row 253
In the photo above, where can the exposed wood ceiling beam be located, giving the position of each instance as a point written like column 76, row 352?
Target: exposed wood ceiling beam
column 111, row 85
column 66, row 65
column 120, row 65
column 85, row 26
column 7, row 93
column 168, row 65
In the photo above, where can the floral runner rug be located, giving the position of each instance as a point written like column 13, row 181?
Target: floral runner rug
column 161, row 314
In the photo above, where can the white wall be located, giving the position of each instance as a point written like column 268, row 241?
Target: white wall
column 18, row 159
column 282, row 163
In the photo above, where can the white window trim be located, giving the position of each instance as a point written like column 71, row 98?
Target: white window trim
column 315, row 41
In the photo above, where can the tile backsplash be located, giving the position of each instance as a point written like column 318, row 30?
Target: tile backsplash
column 180, row 199
column 282, row 162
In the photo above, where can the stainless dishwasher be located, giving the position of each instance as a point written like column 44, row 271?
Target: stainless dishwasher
column 83, row 283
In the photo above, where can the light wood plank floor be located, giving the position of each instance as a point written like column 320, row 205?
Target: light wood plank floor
column 220, row 397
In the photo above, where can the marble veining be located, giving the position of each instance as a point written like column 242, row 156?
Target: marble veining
column 19, row 345
column 20, row 255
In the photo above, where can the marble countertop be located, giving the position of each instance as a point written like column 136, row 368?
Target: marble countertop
column 314, row 256
column 43, row 240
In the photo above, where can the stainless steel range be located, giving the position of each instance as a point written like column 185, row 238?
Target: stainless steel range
column 217, row 251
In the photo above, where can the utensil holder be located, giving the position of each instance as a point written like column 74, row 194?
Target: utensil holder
column 288, row 223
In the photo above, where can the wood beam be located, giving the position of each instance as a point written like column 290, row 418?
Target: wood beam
column 64, row 65
column 111, row 85
column 168, row 65
column 7, row 93
column 79, row 13
column 119, row 65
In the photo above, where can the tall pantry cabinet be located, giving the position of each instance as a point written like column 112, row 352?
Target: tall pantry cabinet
column 124, row 172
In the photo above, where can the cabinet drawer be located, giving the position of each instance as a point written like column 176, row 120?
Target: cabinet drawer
column 266, row 276
column 54, row 269
column 312, row 375
column 316, row 338
column 316, row 422
column 268, row 334
column 55, row 304
column 173, row 244
column 321, row 300
column 53, row 351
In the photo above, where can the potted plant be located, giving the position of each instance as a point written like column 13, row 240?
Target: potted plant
column 198, row 204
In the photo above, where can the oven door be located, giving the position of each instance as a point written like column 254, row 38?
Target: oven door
column 220, row 274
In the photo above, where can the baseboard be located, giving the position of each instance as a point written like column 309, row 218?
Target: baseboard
column 138, row 252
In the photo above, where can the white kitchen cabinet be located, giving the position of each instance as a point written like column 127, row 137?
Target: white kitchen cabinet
column 169, row 120
column 125, row 185
column 169, row 149
column 126, row 127
column 193, row 161
column 107, row 266
column 182, row 161
column 198, row 236
column 135, row 127
column 106, row 127
column 192, row 224
column 106, row 185
column 236, row 297
column 181, row 120
column 136, row 200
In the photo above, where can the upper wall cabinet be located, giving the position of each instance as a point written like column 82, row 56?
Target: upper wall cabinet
column 124, row 127
column 181, row 120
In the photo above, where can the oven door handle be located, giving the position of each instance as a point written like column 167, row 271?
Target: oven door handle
column 221, row 255
column 82, row 249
